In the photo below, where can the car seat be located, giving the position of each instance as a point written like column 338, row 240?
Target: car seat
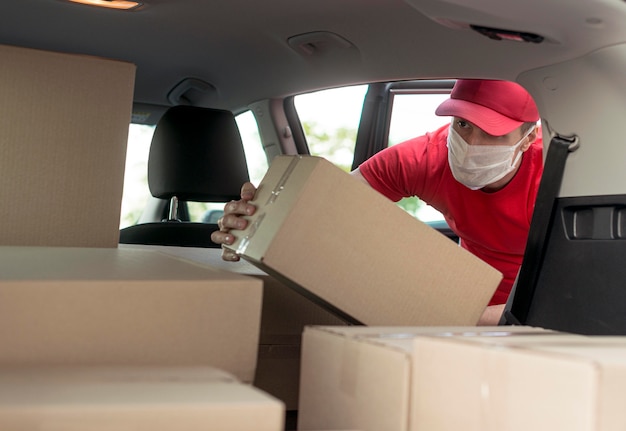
column 196, row 155
column 572, row 278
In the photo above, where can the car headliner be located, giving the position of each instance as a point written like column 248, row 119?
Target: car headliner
column 241, row 48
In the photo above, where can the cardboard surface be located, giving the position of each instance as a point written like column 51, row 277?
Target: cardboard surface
column 366, row 377
column 91, row 306
column 567, row 384
column 64, row 121
column 284, row 315
column 345, row 246
column 145, row 398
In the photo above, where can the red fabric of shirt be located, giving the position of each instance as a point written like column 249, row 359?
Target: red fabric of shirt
column 492, row 226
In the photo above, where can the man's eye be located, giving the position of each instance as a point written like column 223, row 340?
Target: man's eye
column 462, row 124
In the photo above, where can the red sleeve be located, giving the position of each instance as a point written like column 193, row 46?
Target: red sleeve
column 410, row 168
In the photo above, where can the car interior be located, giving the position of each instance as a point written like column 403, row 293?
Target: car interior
column 196, row 155
column 201, row 69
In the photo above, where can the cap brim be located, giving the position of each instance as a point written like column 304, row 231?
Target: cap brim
column 487, row 119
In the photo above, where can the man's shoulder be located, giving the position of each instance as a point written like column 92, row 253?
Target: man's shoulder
column 440, row 134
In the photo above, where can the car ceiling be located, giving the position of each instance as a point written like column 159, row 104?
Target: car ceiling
column 241, row 48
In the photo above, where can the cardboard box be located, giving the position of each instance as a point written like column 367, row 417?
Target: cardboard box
column 345, row 246
column 284, row 315
column 144, row 398
column 64, row 121
column 366, row 377
column 568, row 384
column 90, row 306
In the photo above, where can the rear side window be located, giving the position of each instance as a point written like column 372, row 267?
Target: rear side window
column 412, row 115
column 330, row 119
column 255, row 156
column 136, row 193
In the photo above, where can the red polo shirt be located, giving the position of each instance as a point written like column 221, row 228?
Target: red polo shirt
column 492, row 226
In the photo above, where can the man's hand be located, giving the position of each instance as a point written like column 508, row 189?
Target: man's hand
column 232, row 219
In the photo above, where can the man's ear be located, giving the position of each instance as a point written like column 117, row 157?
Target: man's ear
column 532, row 137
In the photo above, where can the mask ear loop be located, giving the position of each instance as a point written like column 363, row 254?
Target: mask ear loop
column 532, row 129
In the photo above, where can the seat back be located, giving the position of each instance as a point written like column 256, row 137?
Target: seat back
column 573, row 277
column 196, row 155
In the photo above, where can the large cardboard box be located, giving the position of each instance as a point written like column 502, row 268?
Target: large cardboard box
column 567, row 384
column 137, row 398
column 345, row 246
column 63, row 133
column 92, row 306
column 367, row 377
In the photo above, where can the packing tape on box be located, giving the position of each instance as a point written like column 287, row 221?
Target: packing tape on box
column 280, row 186
column 245, row 241
column 276, row 191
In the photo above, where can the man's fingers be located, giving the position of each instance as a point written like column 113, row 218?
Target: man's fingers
column 247, row 191
column 229, row 256
column 240, row 207
column 221, row 237
column 232, row 219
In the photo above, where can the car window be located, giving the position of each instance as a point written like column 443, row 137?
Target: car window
column 255, row 156
column 330, row 120
column 137, row 194
column 413, row 114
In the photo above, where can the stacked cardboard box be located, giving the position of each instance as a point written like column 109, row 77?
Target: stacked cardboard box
column 123, row 338
column 90, row 306
column 64, row 121
column 374, row 378
column 567, row 383
column 137, row 398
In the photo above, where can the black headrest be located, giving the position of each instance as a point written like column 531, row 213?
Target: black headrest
column 197, row 155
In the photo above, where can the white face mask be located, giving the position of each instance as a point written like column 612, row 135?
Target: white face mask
column 476, row 166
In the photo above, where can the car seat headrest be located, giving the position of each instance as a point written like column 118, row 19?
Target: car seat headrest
column 197, row 155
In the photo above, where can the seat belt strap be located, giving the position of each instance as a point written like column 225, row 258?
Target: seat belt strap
column 518, row 305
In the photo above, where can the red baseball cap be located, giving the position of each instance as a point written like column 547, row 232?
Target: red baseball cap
column 497, row 107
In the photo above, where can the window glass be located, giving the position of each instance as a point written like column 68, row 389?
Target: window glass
column 413, row 114
column 255, row 156
column 330, row 119
column 137, row 194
